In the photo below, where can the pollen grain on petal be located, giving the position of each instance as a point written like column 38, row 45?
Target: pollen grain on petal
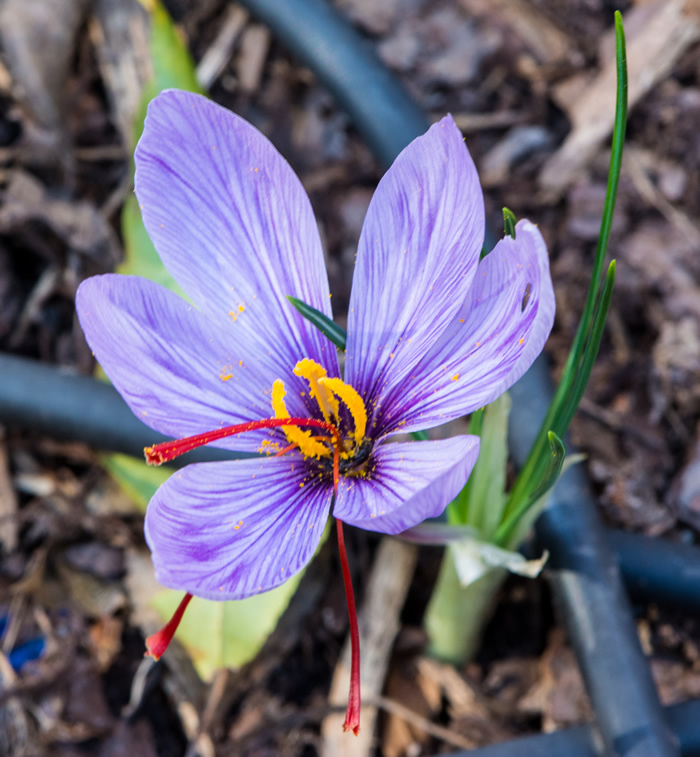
column 268, row 447
column 236, row 313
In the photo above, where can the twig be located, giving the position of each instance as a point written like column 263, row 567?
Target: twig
column 418, row 721
column 220, row 51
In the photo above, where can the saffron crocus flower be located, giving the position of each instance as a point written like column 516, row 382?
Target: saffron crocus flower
column 433, row 334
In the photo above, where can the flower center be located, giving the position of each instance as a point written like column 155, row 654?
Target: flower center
column 328, row 394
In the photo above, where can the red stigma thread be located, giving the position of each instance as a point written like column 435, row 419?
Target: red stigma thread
column 167, row 451
column 352, row 714
column 158, row 642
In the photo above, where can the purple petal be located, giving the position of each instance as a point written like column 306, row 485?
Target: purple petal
column 418, row 251
column 408, row 482
column 176, row 369
column 231, row 530
column 534, row 250
column 490, row 344
column 233, row 225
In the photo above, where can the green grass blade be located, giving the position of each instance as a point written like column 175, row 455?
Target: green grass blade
column 590, row 352
column 618, row 142
column 560, row 408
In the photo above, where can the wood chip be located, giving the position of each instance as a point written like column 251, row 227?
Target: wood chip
column 421, row 723
column 255, row 44
column 546, row 41
column 120, row 31
column 636, row 165
column 222, row 48
column 666, row 31
column 470, row 122
column 8, row 504
column 38, row 45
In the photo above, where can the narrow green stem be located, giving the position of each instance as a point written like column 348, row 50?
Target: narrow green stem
column 535, row 464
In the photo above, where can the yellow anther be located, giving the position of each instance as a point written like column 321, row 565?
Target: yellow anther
column 352, row 400
column 314, row 374
column 307, row 446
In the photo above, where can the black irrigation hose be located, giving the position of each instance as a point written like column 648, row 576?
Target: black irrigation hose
column 655, row 570
column 588, row 589
column 683, row 719
column 44, row 399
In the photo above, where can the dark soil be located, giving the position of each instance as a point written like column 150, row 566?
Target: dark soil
column 508, row 77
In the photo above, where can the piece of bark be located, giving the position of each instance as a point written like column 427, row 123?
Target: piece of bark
column 558, row 696
column 255, row 44
column 38, row 42
column 9, row 523
column 636, row 164
column 470, row 122
column 547, row 42
column 518, row 144
column 26, row 202
column 684, row 497
column 668, row 29
column 412, row 702
column 18, row 731
column 379, row 623
column 219, row 53
column 375, row 17
column 456, row 47
column 120, row 31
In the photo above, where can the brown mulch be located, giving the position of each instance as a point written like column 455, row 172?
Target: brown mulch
column 521, row 78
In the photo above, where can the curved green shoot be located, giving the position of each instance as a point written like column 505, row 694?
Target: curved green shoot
column 509, row 222
column 585, row 345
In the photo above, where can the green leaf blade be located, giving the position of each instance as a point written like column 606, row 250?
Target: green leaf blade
column 550, row 474
column 563, row 405
column 322, row 322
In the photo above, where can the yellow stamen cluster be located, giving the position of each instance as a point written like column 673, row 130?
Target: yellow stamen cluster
column 307, row 446
column 316, row 376
column 352, row 400
column 327, row 392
